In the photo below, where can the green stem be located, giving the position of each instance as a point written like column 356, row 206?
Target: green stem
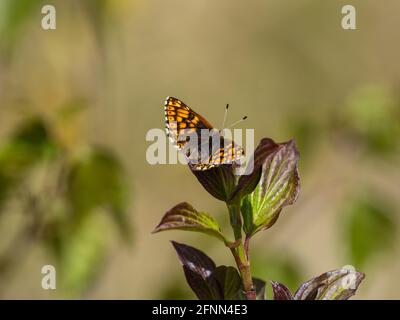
column 240, row 252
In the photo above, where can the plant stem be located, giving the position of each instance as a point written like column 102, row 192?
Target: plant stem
column 246, row 247
column 240, row 252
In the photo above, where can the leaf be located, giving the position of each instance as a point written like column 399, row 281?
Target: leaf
column 229, row 281
column 82, row 251
column 218, row 181
column 198, row 269
column 98, row 180
column 200, row 286
column 281, row 292
column 259, row 286
column 184, row 217
column 278, row 187
column 338, row 284
column 247, row 183
column 31, row 142
column 28, row 145
column 368, row 215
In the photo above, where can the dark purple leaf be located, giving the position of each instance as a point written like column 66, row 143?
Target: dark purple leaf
column 194, row 259
column 184, row 217
column 338, row 284
column 218, row 181
column 201, row 287
column 229, row 281
column 281, row 292
column 259, row 286
column 198, row 269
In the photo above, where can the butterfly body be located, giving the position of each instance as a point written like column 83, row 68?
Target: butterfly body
column 211, row 149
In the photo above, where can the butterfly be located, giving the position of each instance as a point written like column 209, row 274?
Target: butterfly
column 182, row 122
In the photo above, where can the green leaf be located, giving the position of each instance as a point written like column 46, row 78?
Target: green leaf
column 98, row 180
column 247, row 214
column 82, row 251
column 278, row 187
column 184, row 217
column 338, row 284
column 229, row 281
column 368, row 215
column 29, row 144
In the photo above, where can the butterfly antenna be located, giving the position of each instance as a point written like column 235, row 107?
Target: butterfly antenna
column 237, row 122
column 225, row 115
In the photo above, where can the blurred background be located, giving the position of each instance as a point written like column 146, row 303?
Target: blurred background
column 76, row 191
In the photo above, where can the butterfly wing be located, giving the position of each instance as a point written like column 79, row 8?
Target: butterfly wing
column 226, row 152
column 180, row 119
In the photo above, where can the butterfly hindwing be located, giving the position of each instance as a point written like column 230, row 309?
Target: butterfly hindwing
column 227, row 152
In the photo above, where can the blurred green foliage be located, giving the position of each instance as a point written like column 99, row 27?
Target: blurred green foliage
column 278, row 267
column 100, row 175
column 69, row 221
column 303, row 127
column 175, row 290
column 72, row 193
column 81, row 252
column 70, row 209
column 13, row 15
column 369, row 228
column 29, row 144
column 372, row 119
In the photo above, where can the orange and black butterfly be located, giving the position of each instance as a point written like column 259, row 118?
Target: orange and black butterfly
column 182, row 122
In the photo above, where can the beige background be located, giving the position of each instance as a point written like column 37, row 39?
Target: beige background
column 271, row 60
